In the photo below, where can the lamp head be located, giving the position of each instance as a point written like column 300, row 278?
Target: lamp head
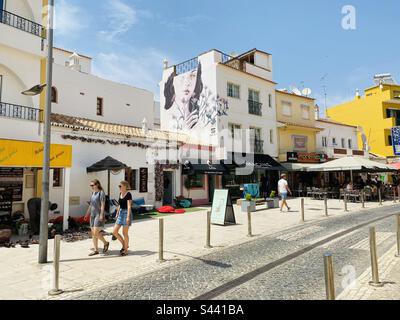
column 34, row 91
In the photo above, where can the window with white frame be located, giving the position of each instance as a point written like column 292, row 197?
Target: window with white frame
column 343, row 143
column 271, row 136
column 305, row 112
column 254, row 95
column 334, row 142
column 350, row 143
column 324, row 142
column 287, row 108
column 236, row 131
column 233, row 90
column 270, row 100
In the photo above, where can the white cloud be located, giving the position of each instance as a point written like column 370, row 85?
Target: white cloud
column 69, row 19
column 121, row 17
column 139, row 68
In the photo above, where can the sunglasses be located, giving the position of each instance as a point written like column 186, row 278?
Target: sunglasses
column 92, row 185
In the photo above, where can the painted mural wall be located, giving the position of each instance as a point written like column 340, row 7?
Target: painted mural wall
column 190, row 103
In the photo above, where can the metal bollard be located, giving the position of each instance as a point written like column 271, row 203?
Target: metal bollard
column 362, row 200
column 345, row 203
column 161, row 241
column 398, row 235
column 249, row 233
column 374, row 259
column 56, row 268
column 302, row 210
column 208, row 242
column 326, row 205
column 380, row 197
column 329, row 277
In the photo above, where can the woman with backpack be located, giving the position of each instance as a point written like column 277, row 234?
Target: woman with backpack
column 96, row 211
column 124, row 217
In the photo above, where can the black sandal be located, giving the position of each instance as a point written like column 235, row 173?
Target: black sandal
column 94, row 253
column 106, row 246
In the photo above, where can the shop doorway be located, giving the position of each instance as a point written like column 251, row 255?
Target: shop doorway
column 211, row 187
column 168, row 187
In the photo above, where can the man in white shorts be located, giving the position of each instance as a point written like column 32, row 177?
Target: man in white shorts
column 283, row 190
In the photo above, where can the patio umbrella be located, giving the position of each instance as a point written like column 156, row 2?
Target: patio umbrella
column 352, row 164
column 107, row 164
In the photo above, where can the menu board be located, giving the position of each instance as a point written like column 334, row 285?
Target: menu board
column 222, row 209
column 143, row 179
column 12, row 178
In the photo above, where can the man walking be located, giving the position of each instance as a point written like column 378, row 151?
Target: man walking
column 283, row 190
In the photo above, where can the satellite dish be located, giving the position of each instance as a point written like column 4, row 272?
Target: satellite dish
column 306, row 92
column 296, row 91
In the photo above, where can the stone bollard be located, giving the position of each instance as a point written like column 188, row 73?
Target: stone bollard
column 56, row 268
column 374, row 259
column 329, row 277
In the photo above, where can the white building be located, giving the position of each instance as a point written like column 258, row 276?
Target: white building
column 215, row 96
column 92, row 118
column 338, row 140
column 22, row 65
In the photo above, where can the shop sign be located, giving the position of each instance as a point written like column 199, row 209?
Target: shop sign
column 14, row 153
column 143, row 179
column 396, row 140
column 302, row 157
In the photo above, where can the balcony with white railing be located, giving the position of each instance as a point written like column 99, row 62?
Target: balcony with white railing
column 13, row 111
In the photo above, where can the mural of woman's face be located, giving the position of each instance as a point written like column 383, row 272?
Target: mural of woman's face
column 185, row 86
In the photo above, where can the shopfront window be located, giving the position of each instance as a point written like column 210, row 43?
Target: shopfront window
column 195, row 181
column 57, row 177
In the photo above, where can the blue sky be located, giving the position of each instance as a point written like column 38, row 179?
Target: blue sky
column 129, row 39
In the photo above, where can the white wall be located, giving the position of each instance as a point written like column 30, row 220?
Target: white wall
column 239, row 110
column 70, row 84
column 336, row 131
column 86, row 154
column 20, row 71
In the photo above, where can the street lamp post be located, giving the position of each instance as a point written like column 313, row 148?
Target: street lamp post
column 44, row 210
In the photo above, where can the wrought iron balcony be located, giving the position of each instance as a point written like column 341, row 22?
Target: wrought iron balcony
column 255, row 108
column 10, row 110
column 258, row 146
column 21, row 23
column 187, row 66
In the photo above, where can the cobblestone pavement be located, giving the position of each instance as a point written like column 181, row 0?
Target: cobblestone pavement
column 285, row 265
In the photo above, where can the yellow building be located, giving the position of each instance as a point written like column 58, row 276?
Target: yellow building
column 376, row 113
column 296, row 128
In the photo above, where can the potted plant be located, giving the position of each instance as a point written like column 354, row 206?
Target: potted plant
column 248, row 202
column 273, row 200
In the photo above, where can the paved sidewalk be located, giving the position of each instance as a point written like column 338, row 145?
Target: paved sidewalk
column 23, row 278
column 389, row 275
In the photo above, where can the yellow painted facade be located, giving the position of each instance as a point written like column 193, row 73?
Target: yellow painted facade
column 297, row 125
column 27, row 154
column 370, row 113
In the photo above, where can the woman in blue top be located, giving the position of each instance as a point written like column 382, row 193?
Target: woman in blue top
column 96, row 211
column 124, row 217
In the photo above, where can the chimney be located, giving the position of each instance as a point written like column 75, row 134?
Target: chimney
column 316, row 111
column 358, row 96
column 74, row 62
column 165, row 62
column 144, row 126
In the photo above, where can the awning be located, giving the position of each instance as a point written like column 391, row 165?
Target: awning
column 297, row 166
column 352, row 164
column 29, row 154
column 191, row 167
column 258, row 161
